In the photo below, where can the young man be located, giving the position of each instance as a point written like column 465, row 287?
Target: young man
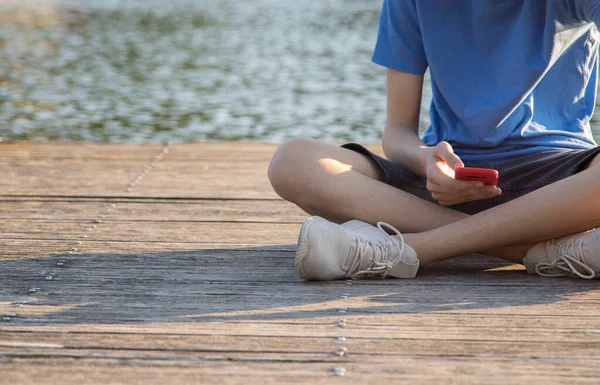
column 514, row 87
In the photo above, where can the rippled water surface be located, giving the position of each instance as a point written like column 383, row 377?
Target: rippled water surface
column 155, row 70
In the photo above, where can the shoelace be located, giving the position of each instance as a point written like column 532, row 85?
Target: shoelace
column 380, row 265
column 567, row 255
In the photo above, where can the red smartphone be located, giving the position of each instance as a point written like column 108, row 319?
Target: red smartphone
column 488, row 176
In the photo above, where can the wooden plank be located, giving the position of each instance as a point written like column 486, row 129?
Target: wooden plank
column 97, row 177
column 43, row 229
column 148, row 210
column 119, row 237
column 181, row 231
column 322, row 350
column 205, row 179
column 422, row 370
column 27, row 248
column 180, row 175
column 231, row 151
column 35, row 209
column 227, row 151
column 32, row 248
column 187, row 173
column 225, row 233
column 68, row 177
column 442, row 325
column 357, row 340
column 55, row 152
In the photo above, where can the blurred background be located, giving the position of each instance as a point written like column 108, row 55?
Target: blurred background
column 187, row 70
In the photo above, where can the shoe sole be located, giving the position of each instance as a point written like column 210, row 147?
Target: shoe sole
column 303, row 246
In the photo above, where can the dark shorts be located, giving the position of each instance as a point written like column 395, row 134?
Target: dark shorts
column 518, row 176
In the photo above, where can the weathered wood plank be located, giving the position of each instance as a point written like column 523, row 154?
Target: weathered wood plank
column 231, row 151
column 321, row 350
column 147, row 210
column 318, row 340
column 242, row 370
column 26, row 248
column 83, row 151
column 205, row 179
column 43, row 229
column 68, row 177
column 183, row 231
column 34, row 248
column 234, row 151
column 94, row 170
column 374, row 325
column 74, row 177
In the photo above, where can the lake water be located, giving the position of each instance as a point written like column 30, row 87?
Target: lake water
column 184, row 70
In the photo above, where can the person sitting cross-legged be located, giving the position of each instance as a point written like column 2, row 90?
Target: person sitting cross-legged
column 513, row 88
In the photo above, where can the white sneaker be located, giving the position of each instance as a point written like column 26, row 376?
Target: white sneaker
column 575, row 255
column 355, row 249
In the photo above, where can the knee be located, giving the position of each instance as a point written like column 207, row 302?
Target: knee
column 288, row 166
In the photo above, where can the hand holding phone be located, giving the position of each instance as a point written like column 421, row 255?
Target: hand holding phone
column 486, row 175
column 444, row 171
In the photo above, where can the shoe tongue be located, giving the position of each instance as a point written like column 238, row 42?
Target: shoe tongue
column 363, row 252
column 371, row 243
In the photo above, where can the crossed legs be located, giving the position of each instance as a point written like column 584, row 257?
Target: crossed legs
column 339, row 185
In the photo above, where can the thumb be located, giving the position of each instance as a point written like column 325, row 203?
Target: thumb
column 444, row 150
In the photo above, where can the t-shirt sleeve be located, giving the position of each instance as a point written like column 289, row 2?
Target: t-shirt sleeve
column 399, row 44
column 587, row 10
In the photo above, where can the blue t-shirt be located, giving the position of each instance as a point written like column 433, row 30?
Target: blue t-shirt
column 508, row 77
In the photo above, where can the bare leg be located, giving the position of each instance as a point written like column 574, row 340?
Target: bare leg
column 340, row 184
column 566, row 207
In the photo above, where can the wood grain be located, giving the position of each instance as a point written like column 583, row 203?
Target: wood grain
column 146, row 264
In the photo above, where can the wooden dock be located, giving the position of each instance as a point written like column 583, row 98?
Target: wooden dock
column 148, row 264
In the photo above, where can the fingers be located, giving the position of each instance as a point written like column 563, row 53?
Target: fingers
column 448, row 197
column 447, row 190
column 444, row 151
column 475, row 197
column 464, row 189
column 441, row 174
column 442, row 165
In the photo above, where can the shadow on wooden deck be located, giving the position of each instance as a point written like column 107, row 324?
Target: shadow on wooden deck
column 259, row 284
